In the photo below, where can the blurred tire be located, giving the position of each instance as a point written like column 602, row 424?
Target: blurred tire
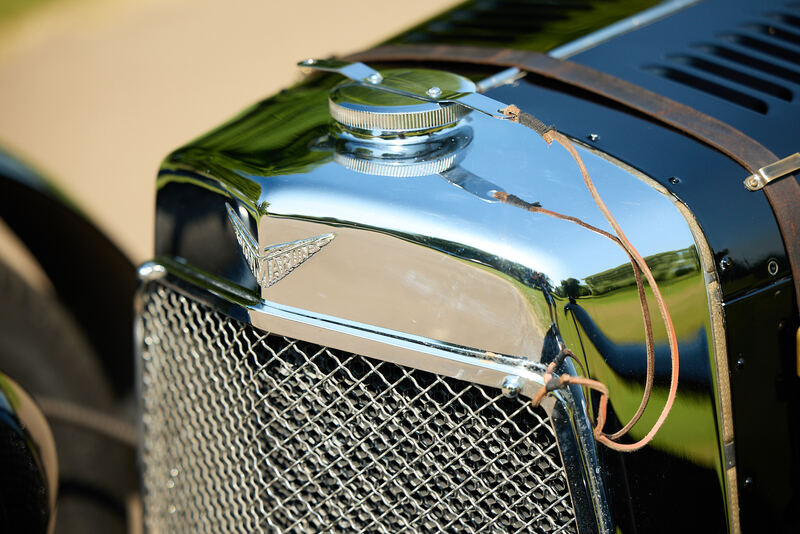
column 44, row 351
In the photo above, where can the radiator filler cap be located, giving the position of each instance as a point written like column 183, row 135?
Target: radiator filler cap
column 360, row 107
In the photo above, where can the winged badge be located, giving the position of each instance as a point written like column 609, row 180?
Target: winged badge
column 276, row 261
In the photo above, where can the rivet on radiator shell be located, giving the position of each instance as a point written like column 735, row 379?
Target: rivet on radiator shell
column 511, row 386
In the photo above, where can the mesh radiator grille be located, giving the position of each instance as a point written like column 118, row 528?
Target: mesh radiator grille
column 251, row 432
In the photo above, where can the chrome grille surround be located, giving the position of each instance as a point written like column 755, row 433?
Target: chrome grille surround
column 245, row 431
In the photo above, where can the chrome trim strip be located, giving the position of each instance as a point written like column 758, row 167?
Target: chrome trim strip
column 446, row 359
column 648, row 16
column 586, row 488
column 719, row 349
column 567, row 408
column 503, row 77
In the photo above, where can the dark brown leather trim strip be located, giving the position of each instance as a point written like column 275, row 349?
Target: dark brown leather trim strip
column 783, row 195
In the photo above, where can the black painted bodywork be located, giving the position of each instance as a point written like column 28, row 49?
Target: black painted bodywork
column 740, row 62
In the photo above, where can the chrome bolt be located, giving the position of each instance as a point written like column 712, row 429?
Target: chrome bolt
column 512, row 385
column 593, row 137
column 375, row 78
column 434, row 92
column 740, row 363
column 725, row 263
column 674, row 180
column 772, row 267
column 151, row 271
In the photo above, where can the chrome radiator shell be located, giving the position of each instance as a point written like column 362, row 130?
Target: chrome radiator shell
column 429, row 272
column 400, row 449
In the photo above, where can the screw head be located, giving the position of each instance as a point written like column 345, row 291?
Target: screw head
column 593, row 137
column 375, row 78
column 748, row 481
column 434, row 92
column 752, row 181
column 725, row 263
column 772, row 267
column 512, row 385
column 674, row 180
column 309, row 61
column 740, row 363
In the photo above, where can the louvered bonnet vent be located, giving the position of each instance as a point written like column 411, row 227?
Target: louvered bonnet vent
column 741, row 66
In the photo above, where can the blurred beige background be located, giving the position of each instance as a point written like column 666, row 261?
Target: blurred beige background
column 94, row 93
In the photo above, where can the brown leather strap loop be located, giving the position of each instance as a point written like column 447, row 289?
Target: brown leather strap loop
column 783, row 195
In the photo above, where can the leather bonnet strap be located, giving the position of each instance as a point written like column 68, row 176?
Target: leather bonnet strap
column 783, row 195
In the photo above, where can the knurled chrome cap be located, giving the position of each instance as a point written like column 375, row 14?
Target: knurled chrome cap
column 396, row 169
column 437, row 154
column 361, row 107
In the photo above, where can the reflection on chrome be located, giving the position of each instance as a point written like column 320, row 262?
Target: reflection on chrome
column 428, row 271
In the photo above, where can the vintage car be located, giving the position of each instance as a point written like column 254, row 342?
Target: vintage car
column 528, row 267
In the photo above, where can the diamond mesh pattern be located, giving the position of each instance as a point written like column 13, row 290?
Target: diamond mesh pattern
column 251, row 432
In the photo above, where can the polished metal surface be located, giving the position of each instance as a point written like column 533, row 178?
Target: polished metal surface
column 465, row 363
column 399, row 157
column 274, row 262
column 773, row 171
column 503, row 77
column 398, row 168
column 648, row 16
column 414, row 84
column 434, row 274
column 151, row 271
column 284, row 435
column 511, row 386
column 366, row 107
column 354, row 71
column 485, row 272
column 28, row 461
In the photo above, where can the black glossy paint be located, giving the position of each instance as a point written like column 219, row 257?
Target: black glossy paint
column 738, row 61
column 704, row 56
column 761, row 333
column 538, row 25
column 92, row 277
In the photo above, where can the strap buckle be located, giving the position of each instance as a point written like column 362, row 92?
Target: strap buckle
column 773, row 171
